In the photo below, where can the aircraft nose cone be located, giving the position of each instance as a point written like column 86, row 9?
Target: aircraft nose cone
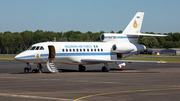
column 16, row 57
column 20, row 56
column 25, row 56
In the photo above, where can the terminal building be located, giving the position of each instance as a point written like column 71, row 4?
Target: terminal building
column 161, row 51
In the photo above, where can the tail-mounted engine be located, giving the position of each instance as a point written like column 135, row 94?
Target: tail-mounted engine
column 109, row 36
column 127, row 47
column 122, row 48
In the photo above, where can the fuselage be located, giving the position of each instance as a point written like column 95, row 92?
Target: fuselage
column 71, row 52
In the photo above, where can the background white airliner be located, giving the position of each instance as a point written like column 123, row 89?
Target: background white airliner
column 113, row 48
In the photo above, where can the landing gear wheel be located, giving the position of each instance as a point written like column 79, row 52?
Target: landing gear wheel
column 82, row 68
column 104, row 69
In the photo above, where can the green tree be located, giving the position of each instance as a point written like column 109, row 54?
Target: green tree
column 143, row 40
column 18, row 46
column 6, row 42
column 17, row 42
column 112, row 31
column 120, row 31
column 1, row 45
column 27, row 39
column 161, row 41
column 149, row 41
column 176, row 36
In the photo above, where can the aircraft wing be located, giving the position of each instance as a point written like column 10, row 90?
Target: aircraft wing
column 110, row 61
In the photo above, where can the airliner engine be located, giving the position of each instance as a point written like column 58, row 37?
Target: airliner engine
column 126, row 43
column 127, row 47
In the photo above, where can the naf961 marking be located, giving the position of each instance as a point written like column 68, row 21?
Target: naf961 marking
column 113, row 48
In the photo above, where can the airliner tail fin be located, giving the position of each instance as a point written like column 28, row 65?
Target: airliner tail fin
column 135, row 25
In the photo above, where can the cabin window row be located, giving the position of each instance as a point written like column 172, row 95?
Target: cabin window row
column 82, row 50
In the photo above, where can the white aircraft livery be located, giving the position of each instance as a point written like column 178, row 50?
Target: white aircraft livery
column 113, row 49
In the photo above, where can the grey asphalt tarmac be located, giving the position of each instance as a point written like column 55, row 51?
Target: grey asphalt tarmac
column 136, row 82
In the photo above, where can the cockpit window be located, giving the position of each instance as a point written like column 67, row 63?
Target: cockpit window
column 29, row 48
column 41, row 48
column 33, row 48
column 37, row 48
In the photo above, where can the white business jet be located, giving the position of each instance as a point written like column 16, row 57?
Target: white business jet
column 113, row 48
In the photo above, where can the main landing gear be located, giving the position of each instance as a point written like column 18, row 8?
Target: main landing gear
column 105, row 68
column 82, row 68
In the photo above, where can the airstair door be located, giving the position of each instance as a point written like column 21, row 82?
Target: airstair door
column 51, row 52
column 50, row 63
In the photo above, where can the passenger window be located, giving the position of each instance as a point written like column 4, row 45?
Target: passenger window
column 63, row 50
column 41, row 48
column 91, row 50
column 88, row 50
column 80, row 50
column 37, row 47
column 33, row 47
column 70, row 50
column 77, row 50
column 101, row 50
column 73, row 50
column 84, row 50
column 98, row 50
column 95, row 50
column 66, row 50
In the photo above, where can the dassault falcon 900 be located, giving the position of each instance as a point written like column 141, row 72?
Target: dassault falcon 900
column 113, row 49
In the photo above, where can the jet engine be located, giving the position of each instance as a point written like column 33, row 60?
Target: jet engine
column 127, row 47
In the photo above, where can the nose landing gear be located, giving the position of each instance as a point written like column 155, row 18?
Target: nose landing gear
column 39, row 66
column 39, row 69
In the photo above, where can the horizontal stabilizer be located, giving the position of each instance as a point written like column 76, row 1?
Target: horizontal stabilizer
column 143, row 34
column 126, row 61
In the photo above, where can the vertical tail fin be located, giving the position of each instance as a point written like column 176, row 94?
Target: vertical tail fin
column 135, row 25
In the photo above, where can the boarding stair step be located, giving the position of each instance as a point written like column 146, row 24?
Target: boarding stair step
column 52, row 67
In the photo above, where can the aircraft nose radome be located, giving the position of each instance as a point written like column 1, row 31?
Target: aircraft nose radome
column 16, row 57
column 19, row 56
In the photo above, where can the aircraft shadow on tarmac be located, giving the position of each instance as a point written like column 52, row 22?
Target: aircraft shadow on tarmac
column 70, row 70
column 112, row 70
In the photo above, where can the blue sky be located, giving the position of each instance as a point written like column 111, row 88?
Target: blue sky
column 161, row 16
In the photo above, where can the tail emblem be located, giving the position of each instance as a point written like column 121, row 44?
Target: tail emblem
column 135, row 24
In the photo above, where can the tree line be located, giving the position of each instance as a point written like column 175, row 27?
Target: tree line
column 16, row 42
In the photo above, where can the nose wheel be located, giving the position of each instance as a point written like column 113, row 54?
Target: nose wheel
column 82, row 68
